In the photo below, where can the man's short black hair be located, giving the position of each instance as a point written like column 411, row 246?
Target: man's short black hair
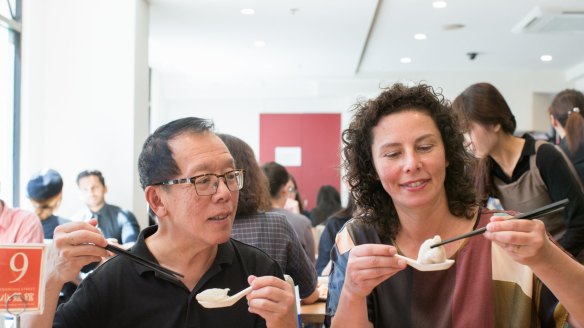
column 156, row 163
column 88, row 173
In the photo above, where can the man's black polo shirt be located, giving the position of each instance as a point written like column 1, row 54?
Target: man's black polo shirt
column 121, row 293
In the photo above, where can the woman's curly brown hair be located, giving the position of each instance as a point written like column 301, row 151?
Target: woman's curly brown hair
column 373, row 202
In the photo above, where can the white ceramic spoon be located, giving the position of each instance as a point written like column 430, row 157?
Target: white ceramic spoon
column 427, row 267
column 224, row 302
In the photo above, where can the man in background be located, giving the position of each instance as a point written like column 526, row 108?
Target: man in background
column 113, row 221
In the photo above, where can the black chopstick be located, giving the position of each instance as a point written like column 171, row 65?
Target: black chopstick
column 160, row 269
column 544, row 210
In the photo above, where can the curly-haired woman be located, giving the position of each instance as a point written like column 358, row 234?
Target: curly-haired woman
column 408, row 171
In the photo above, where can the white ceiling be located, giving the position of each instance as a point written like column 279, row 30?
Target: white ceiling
column 202, row 39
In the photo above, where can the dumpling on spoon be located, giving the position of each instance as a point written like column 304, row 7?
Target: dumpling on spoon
column 427, row 255
column 212, row 295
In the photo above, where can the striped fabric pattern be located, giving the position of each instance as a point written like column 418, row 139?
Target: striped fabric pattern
column 272, row 233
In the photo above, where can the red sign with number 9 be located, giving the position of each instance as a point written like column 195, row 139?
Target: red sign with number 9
column 21, row 284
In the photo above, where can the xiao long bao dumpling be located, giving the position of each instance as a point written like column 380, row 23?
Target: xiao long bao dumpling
column 427, row 255
column 212, row 295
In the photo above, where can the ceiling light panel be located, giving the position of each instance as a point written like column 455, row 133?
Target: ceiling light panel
column 439, row 4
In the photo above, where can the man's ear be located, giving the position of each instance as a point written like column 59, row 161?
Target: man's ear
column 497, row 127
column 154, row 199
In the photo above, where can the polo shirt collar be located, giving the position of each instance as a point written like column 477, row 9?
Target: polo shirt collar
column 225, row 253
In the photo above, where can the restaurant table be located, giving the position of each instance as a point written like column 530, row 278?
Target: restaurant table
column 313, row 313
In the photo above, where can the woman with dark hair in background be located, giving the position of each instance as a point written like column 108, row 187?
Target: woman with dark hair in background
column 268, row 231
column 567, row 118
column 521, row 172
column 278, row 178
column 295, row 202
column 328, row 201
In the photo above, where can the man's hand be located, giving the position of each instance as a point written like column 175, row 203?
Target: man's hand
column 272, row 299
column 75, row 245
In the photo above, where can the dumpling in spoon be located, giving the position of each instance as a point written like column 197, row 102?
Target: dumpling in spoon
column 212, row 295
column 428, row 255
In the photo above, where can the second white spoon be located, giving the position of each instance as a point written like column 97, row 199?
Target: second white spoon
column 426, row 267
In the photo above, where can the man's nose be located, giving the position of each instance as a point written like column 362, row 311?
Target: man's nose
column 222, row 186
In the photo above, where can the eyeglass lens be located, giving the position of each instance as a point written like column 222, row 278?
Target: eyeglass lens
column 207, row 184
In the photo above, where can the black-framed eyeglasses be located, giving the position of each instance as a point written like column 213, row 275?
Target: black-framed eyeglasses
column 207, row 184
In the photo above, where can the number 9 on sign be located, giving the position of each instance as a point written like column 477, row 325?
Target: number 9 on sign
column 19, row 269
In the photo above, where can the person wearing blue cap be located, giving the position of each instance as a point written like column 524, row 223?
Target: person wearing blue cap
column 44, row 189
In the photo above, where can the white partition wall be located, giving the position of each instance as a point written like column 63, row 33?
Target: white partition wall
column 85, row 95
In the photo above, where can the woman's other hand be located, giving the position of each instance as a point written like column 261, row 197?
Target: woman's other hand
column 368, row 266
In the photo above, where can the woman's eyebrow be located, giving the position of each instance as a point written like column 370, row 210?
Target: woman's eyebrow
column 418, row 139
column 425, row 136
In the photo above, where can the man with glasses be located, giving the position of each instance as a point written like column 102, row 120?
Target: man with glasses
column 192, row 185
column 113, row 221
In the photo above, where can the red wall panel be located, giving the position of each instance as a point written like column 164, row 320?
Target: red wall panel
column 319, row 137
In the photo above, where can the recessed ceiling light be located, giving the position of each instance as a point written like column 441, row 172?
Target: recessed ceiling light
column 546, row 58
column 247, row 11
column 439, row 4
column 420, row 36
column 406, row 60
column 259, row 44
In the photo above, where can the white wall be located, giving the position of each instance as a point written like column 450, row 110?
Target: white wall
column 84, row 95
column 235, row 105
